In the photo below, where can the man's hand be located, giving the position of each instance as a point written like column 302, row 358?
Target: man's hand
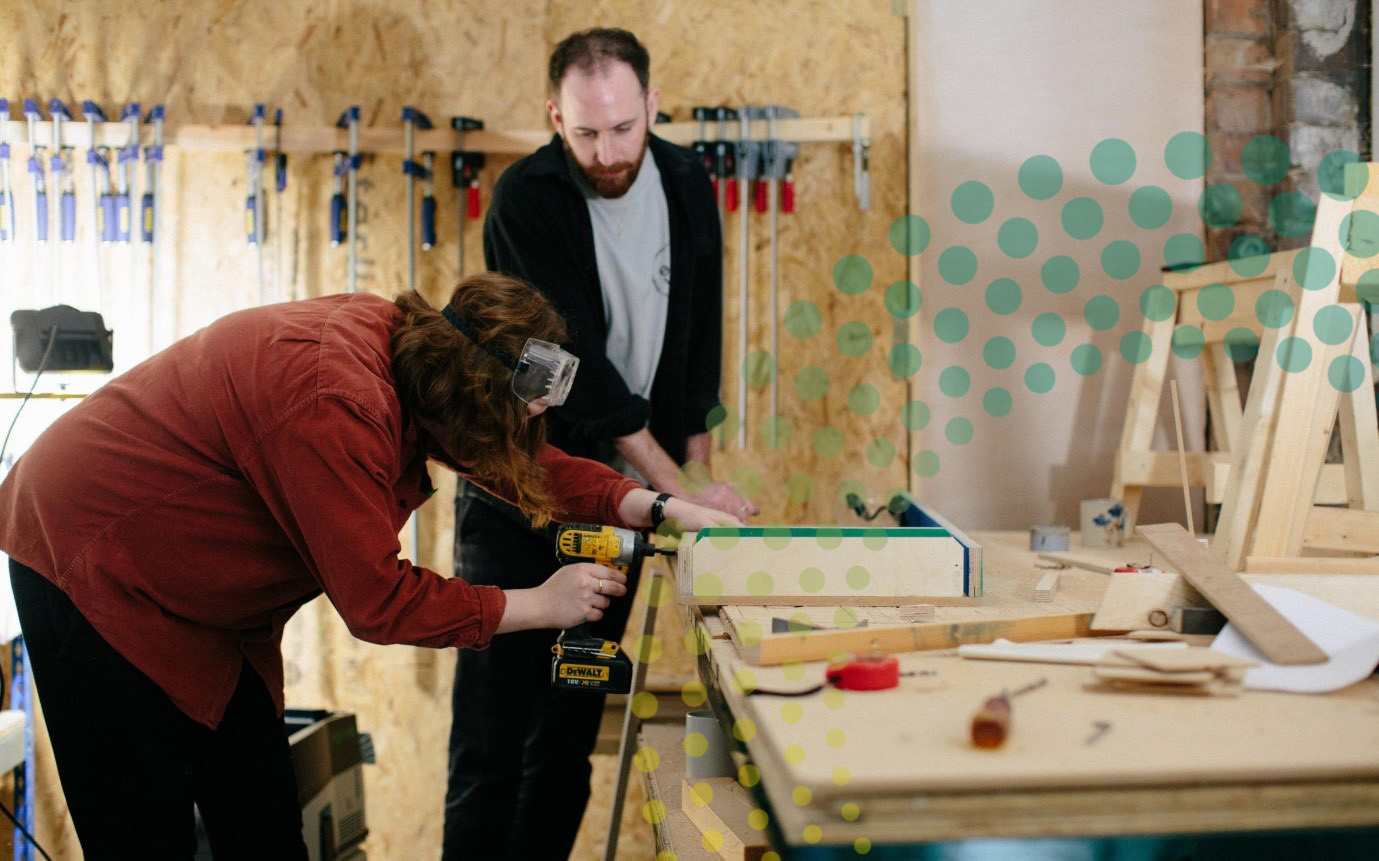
column 720, row 495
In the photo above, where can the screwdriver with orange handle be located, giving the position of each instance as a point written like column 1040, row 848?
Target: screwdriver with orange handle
column 991, row 723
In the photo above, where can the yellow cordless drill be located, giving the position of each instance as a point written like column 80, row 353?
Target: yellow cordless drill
column 583, row 661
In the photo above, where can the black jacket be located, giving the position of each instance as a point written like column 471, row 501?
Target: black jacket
column 538, row 229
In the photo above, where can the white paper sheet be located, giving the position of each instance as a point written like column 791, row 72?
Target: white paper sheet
column 1350, row 641
column 1053, row 653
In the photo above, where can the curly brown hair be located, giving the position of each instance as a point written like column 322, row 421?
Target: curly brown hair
column 462, row 395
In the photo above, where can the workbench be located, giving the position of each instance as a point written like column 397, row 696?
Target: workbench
column 893, row 772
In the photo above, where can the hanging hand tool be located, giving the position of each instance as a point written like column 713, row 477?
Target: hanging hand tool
column 748, row 156
column 350, row 120
column 724, row 166
column 102, row 201
column 279, row 191
column 861, row 163
column 64, row 197
column 413, row 119
column 279, row 157
column 254, row 227
column 428, row 201
column 40, row 179
column 775, row 155
column 701, row 145
column 63, row 179
column 6, row 192
column 464, row 173
column 337, row 200
column 148, row 222
column 124, row 178
column 153, row 160
column 991, row 723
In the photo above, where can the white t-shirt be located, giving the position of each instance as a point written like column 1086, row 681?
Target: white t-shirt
column 632, row 246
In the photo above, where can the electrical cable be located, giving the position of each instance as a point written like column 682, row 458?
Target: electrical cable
column 52, row 340
column 4, row 446
column 10, row 816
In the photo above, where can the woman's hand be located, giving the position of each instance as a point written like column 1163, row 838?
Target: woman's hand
column 573, row 594
column 580, row 593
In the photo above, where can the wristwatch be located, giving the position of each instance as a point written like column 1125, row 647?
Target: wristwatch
column 658, row 510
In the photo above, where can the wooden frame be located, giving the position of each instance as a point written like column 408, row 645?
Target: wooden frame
column 1270, row 507
column 1137, row 465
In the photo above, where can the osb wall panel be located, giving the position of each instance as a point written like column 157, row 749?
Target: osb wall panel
column 209, row 62
column 822, row 59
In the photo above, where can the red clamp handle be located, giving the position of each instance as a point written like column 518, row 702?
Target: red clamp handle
column 472, row 193
column 787, row 195
column 866, row 674
column 759, row 192
column 731, row 202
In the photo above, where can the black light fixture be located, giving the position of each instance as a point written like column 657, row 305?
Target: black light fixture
column 71, row 341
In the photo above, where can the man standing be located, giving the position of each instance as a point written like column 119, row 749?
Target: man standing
column 620, row 229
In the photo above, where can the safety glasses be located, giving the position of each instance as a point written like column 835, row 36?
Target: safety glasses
column 544, row 373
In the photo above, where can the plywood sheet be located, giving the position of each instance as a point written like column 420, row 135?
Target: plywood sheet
column 902, row 742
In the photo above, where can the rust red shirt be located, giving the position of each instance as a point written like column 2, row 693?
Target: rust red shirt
column 192, row 504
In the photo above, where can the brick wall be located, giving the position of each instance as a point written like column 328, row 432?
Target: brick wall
column 1295, row 69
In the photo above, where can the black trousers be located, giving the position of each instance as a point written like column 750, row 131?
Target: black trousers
column 519, row 749
column 132, row 764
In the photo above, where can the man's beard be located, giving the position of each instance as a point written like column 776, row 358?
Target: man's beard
column 614, row 180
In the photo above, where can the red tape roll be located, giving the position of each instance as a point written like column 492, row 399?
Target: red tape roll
column 866, row 674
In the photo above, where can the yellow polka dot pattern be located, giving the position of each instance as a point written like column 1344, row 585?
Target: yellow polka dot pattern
column 654, row 812
column 802, row 795
column 694, row 694
column 791, row 712
column 696, row 641
column 646, row 759
column 836, row 738
column 644, row 704
column 794, row 754
column 757, row 820
column 749, row 634
column 812, row 834
column 749, row 776
column 695, row 744
column 701, row 794
column 648, row 649
column 744, row 729
column 850, row 811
